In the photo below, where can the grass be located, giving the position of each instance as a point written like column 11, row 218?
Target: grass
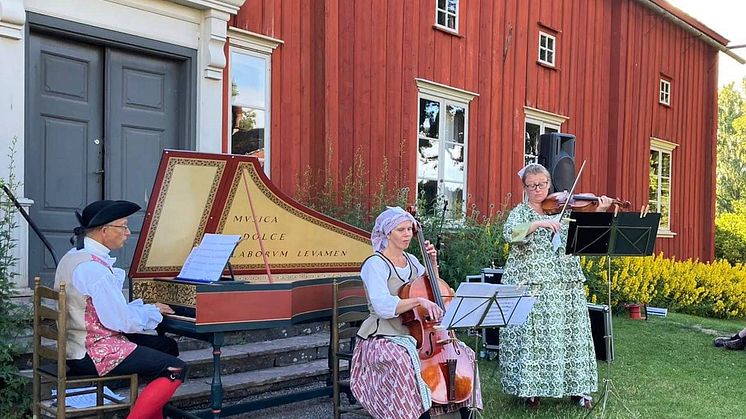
column 663, row 368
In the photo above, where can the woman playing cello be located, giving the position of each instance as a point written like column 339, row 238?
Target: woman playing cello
column 385, row 373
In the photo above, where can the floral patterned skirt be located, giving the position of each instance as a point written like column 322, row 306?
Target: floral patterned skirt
column 551, row 355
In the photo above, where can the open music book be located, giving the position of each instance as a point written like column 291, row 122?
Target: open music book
column 207, row 261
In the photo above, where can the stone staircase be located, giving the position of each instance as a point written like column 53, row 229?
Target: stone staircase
column 257, row 365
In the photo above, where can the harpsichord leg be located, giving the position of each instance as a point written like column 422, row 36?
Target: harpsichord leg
column 217, row 384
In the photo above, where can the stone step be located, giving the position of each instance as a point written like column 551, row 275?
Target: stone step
column 195, row 393
column 259, row 335
column 258, row 355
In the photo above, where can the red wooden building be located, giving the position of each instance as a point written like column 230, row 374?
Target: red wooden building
column 311, row 83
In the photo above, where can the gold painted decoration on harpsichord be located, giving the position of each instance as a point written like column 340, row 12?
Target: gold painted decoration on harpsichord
column 181, row 213
column 167, row 292
column 293, row 238
column 199, row 193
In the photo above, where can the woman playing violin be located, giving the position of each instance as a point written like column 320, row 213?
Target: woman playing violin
column 551, row 354
column 385, row 371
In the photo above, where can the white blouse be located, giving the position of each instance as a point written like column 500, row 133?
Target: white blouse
column 375, row 275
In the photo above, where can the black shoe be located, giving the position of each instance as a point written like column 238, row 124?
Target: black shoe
column 736, row 344
column 719, row 342
column 533, row 402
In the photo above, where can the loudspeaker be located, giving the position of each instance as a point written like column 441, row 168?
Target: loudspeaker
column 600, row 316
column 557, row 154
column 492, row 335
column 490, row 276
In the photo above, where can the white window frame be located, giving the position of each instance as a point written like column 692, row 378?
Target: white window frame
column 663, row 147
column 546, row 121
column 664, row 92
column 446, row 13
column 260, row 46
column 546, row 49
column 446, row 95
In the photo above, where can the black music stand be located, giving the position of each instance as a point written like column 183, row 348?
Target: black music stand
column 608, row 234
column 478, row 306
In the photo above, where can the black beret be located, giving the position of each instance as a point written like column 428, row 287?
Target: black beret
column 102, row 212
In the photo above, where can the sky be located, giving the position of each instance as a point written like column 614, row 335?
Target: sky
column 726, row 17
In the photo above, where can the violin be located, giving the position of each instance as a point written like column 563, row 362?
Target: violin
column 445, row 367
column 581, row 202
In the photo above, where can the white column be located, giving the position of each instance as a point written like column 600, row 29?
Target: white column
column 211, row 62
column 12, row 104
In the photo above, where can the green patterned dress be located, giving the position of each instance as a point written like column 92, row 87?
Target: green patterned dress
column 551, row 355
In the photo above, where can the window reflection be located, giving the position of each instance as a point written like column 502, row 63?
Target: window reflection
column 249, row 117
column 429, row 118
column 246, row 136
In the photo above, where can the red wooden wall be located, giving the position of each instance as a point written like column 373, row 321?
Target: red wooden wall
column 344, row 82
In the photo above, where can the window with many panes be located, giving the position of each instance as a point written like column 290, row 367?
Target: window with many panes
column 547, row 48
column 538, row 122
column 664, row 97
column 659, row 195
column 446, row 14
column 442, row 142
column 249, row 95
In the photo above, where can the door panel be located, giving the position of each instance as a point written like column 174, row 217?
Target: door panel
column 65, row 114
column 143, row 119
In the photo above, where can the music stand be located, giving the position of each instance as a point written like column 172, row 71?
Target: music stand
column 477, row 306
column 607, row 234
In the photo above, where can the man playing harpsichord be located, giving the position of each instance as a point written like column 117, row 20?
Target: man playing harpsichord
column 105, row 334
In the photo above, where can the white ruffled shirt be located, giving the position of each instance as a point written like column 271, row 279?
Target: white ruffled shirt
column 104, row 286
column 375, row 276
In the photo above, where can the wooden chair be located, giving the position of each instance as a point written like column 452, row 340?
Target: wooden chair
column 350, row 308
column 49, row 363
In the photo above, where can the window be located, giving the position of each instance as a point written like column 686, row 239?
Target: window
column 249, row 96
column 538, row 122
column 446, row 14
column 547, row 48
column 664, row 97
column 443, row 121
column 660, row 183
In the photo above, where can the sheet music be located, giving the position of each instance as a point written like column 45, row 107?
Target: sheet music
column 207, row 261
column 85, row 400
column 509, row 310
column 504, row 304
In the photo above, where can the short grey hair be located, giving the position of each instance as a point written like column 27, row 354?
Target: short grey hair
column 535, row 169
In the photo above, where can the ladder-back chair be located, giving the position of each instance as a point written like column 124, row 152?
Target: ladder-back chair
column 350, row 309
column 49, row 364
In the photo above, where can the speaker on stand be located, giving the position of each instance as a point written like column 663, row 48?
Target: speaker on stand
column 557, row 154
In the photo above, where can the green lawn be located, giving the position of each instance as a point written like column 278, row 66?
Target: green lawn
column 664, row 368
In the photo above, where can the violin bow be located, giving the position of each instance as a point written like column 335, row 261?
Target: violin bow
column 567, row 201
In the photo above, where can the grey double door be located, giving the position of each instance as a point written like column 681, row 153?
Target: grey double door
column 97, row 120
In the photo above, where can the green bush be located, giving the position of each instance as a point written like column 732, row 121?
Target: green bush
column 15, row 400
column 730, row 235
column 470, row 241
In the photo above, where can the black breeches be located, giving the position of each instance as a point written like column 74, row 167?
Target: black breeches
column 157, row 342
column 146, row 360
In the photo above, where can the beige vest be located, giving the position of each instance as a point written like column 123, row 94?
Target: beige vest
column 376, row 326
column 76, row 303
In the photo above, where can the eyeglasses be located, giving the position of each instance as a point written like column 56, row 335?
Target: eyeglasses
column 537, row 186
column 126, row 228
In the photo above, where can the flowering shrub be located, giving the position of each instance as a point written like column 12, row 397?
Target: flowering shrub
column 716, row 289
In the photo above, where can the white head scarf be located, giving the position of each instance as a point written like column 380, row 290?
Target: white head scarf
column 386, row 222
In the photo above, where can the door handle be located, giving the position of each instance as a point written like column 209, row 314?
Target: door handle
column 99, row 172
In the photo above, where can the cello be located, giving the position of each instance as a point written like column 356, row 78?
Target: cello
column 446, row 366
